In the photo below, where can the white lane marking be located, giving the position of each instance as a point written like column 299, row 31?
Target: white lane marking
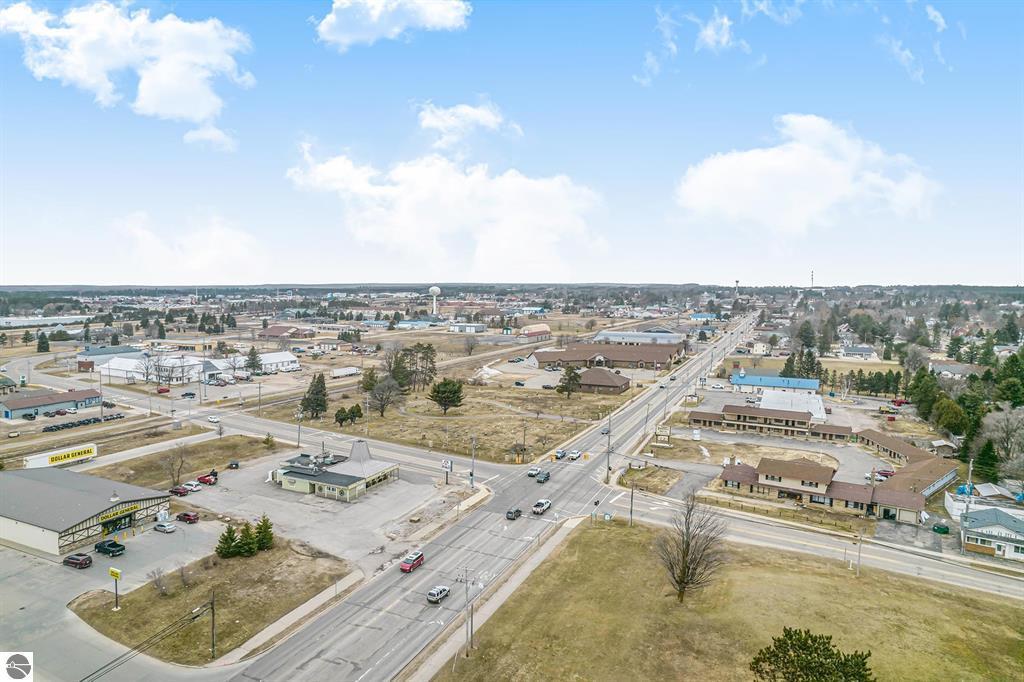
column 616, row 498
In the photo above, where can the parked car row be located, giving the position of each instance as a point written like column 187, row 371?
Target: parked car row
column 83, row 422
column 194, row 486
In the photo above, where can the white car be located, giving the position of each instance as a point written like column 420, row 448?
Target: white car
column 717, row 387
column 72, row 410
column 13, row 434
column 878, row 477
column 192, row 486
column 165, row 527
column 574, row 455
column 541, row 506
column 213, row 419
column 533, row 471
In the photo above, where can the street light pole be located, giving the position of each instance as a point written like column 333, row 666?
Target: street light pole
column 472, row 466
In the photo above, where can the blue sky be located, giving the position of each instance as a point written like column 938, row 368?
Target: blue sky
column 233, row 143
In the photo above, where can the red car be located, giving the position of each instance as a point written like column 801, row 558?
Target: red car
column 188, row 517
column 179, row 490
column 207, row 479
column 163, row 389
column 411, row 562
column 886, row 473
column 78, row 561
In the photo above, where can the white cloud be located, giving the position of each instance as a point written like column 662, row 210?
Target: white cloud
column 175, row 60
column 817, row 175
column 782, row 13
column 716, row 34
column 936, row 18
column 665, row 26
column 963, row 29
column 212, row 136
column 459, row 218
column 453, row 124
column 354, row 22
column 199, row 252
column 904, row 57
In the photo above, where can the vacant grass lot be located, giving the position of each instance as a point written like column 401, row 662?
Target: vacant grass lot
column 151, row 470
column 601, row 609
column 495, row 416
column 251, row 593
column 106, row 436
column 651, row 479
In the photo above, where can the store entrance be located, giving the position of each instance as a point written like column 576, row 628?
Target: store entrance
column 115, row 525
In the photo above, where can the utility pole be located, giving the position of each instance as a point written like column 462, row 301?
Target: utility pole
column 469, row 625
column 259, row 407
column 632, row 490
column 860, row 543
column 608, row 453
column 213, row 625
column 472, row 467
column 967, row 508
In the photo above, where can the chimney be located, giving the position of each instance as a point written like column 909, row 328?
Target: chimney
column 114, row 497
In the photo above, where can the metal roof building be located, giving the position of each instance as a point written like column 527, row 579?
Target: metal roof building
column 756, row 383
column 55, row 510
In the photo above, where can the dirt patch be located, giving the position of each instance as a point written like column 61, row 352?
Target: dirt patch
column 651, row 478
column 749, row 453
column 251, row 593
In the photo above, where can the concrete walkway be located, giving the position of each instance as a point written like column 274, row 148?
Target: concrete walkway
column 288, row 620
column 456, row 639
column 124, row 455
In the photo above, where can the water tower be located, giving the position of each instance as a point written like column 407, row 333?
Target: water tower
column 434, row 293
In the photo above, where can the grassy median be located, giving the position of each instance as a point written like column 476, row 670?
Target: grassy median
column 600, row 608
column 251, row 593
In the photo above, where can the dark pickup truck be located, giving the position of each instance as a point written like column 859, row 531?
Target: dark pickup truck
column 110, row 548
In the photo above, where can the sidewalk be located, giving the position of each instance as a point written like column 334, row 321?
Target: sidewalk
column 289, row 619
column 455, row 640
column 124, row 455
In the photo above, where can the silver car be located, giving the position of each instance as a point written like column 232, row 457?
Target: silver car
column 437, row 593
column 165, row 527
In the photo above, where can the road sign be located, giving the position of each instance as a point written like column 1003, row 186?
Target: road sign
column 115, row 573
column 446, row 464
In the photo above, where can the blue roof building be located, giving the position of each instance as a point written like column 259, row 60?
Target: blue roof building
column 755, row 383
column 703, row 316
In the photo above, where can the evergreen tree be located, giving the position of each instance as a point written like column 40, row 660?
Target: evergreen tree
column 115, row 340
column 789, row 368
column 42, row 343
column 161, row 333
column 986, row 464
column 27, row 337
column 341, row 416
column 806, row 334
column 314, row 403
column 447, row 394
column 369, row 380
column 264, row 534
column 227, row 546
column 247, row 543
column 252, row 360
column 570, row 382
column 799, row 656
column 355, row 412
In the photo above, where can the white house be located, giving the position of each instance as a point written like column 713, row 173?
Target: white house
column 993, row 532
column 280, row 361
column 761, row 348
column 164, row 369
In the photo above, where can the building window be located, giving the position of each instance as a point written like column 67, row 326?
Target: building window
column 769, row 477
column 819, row 499
column 809, row 484
column 854, row 505
column 1018, row 549
column 762, row 490
column 732, row 484
column 979, row 541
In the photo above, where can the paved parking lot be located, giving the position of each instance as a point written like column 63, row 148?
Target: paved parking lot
column 535, row 377
column 350, row 531
column 34, row 593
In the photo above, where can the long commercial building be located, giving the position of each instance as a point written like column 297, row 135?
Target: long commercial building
column 746, row 418
column 17, row 405
column 646, row 356
column 54, row 510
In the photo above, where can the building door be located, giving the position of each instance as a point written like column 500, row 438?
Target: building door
column 1000, row 550
column 114, row 525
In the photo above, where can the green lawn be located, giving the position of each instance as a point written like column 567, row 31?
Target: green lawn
column 601, row 609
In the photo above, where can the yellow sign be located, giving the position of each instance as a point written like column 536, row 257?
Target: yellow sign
column 83, row 452
column 115, row 573
column 76, row 453
column 118, row 512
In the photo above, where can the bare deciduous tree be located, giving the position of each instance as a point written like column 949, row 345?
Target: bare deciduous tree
column 916, row 358
column 385, row 393
column 690, row 551
column 183, row 573
column 174, row 463
column 146, row 366
column 1006, row 430
column 159, row 580
column 1012, row 472
column 469, row 344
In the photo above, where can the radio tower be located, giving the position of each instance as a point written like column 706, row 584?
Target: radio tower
column 812, row 279
column 736, row 293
